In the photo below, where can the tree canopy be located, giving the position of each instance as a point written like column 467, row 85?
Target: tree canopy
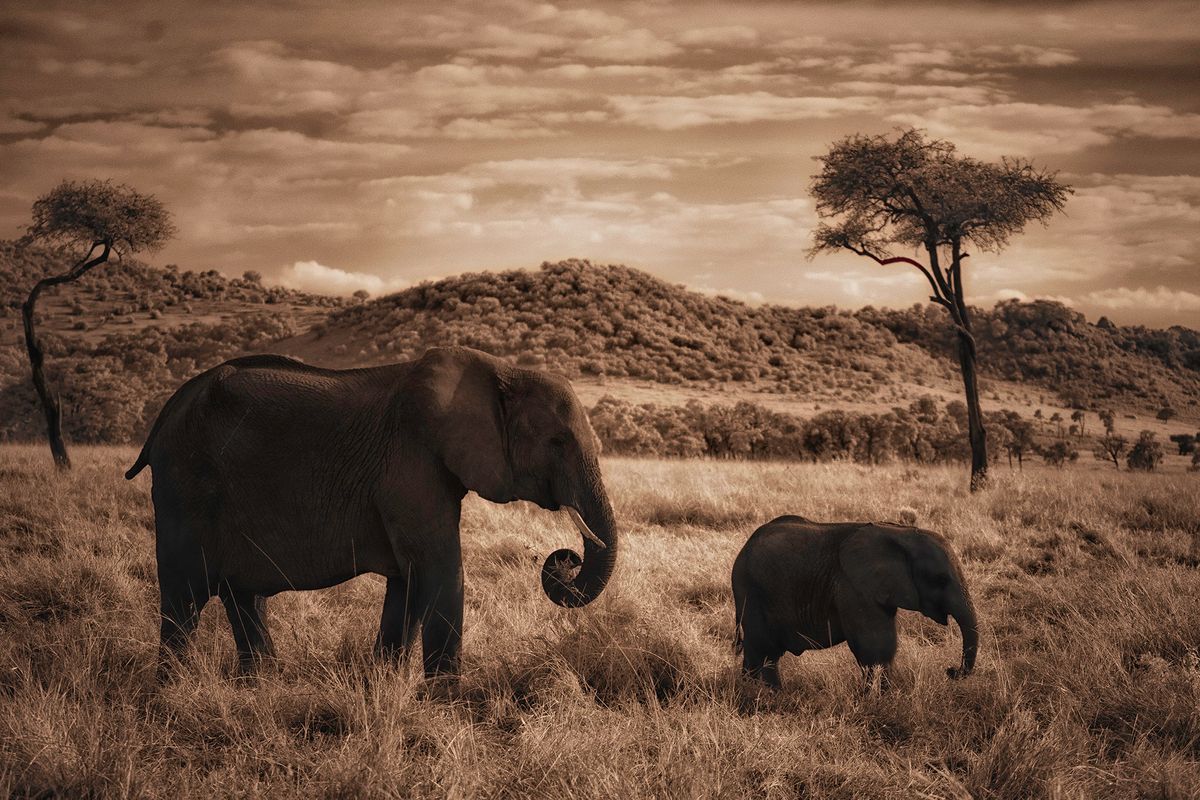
column 877, row 192
column 94, row 213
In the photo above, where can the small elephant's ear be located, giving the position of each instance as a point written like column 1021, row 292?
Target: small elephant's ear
column 877, row 565
column 460, row 396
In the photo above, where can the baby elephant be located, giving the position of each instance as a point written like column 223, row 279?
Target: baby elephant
column 801, row 585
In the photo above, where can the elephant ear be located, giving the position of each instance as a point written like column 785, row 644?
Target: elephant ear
column 461, row 394
column 877, row 565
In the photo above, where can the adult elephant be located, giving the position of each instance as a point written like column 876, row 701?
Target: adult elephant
column 270, row 475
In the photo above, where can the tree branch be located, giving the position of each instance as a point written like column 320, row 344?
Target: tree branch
column 883, row 262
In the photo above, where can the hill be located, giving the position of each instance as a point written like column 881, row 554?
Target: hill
column 612, row 321
column 123, row 338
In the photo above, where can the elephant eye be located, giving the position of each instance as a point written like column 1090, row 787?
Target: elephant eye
column 558, row 440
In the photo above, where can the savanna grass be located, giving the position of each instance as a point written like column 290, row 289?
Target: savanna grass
column 1088, row 683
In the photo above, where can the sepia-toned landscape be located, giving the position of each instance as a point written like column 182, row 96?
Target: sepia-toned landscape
column 593, row 400
column 1084, row 574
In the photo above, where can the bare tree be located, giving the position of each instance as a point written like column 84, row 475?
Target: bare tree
column 879, row 192
column 1111, row 448
column 97, row 218
column 1081, row 419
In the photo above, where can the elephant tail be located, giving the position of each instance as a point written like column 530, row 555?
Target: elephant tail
column 174, row 404
column 143, row 459
column 140, row 464
column 738, row 639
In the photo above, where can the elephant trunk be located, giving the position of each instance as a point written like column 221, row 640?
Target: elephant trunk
column 964, row 614
column 569, row 580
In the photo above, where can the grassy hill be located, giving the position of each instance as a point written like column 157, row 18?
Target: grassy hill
column 612, row 321
column 123, row 338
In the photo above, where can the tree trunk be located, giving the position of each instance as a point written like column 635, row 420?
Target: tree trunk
column 53, row 411
column 58, row 448
column 975, row 429
column 957, row 307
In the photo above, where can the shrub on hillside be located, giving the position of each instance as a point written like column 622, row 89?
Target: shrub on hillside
column 1146, row 453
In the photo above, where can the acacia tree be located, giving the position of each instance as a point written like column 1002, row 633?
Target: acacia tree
column 879, row 193
column 1111, row 448
column 96, row 218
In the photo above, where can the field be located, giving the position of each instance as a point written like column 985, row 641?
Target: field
column 1088, row 683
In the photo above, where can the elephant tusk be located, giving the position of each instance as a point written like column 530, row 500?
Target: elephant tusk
column 585, row 530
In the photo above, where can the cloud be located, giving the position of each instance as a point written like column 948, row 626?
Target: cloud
column 1041, row 128
column 588, row 21
column 1017, row 294
column 311, row 276
column 502, row 41
column 1159, row 298
column 862, row 286
column 673, row 113
column 467, row 128
column 90, row 68
column 629, row 46
column 719, row 36
column 1025, row 55
column 750, row 298
column 10, row 125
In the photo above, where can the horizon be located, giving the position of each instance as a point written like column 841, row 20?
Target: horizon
column 375, row 147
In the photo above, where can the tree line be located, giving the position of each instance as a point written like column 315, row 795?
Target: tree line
column 922, row 432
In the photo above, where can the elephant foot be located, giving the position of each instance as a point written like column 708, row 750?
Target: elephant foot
column 252, row 665
column 443, row 687
column 957, row 673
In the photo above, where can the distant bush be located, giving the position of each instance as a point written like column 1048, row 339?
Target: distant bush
column 1146, row 453
column 920, row 432
column 1059, row 453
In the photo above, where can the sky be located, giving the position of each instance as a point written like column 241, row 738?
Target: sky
column 372, row 145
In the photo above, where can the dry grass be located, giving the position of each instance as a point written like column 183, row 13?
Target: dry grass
column 1088, row 686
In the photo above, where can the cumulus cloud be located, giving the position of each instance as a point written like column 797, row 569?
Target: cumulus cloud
column 1160, row 298
column 1017, row 294
column 673, row 112
column 719, row 36
column 311, row 276
column 1044, row 128
column 629, row 46
column 750, row 298
column 1025, row 55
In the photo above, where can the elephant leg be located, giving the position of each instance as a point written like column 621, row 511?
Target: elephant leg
column 180, row 604
column 427, row 544
column 398, row 625
column 760, row 655
column 870, row 630
column 761, row 665
column 245, row 611
column 440, row 596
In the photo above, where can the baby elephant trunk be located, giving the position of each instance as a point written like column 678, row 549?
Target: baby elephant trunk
column 964, row 614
